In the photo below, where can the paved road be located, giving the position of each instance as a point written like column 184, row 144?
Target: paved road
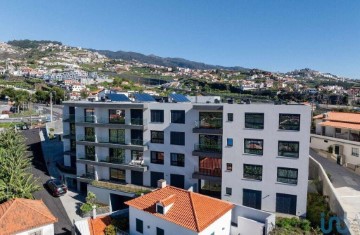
column 345, row 182
column 63, row 226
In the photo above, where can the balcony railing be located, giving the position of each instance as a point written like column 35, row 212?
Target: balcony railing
column 114, row 160
column 69, row 118
column 214, row 123
column 88, row 157
column 208, row 148
column 138, row 142
column 88, row 175
column 137, row 121
column 210, row 172
column 136, row 163
column 90, row 138
column 88, row 118
column 107, row 120
column 66, row 169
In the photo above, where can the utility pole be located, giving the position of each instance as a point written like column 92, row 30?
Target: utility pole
column 51, row 108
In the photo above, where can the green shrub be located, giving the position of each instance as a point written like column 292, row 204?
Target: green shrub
column 110, row 230
column 86, row 207
column 315, row 206
column 51, row 129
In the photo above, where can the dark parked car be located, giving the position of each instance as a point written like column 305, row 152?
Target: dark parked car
column 56, row 188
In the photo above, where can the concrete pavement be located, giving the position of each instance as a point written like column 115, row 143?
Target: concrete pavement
column 346, row 184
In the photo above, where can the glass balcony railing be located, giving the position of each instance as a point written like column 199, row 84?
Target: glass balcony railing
column 137, row 142
column 90, row 138
column 137, row 121
column 208, row 148
column 210, row 172
column 69, row 118
column 214, row 123
column 88, row 157
column 88, row 175
column 88, row 118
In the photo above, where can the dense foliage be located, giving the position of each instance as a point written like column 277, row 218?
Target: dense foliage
column 293, row 225
column 16, row 180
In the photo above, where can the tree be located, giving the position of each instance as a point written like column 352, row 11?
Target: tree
column 84, row 94
column 16, row 179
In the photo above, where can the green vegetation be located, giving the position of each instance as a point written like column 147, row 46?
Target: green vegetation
column 15, row 178
column 25, row 44
column 285, row 226
column 138, row 190
column 110, row 230
column 116, row 225
column 316, row 205
column 90, row 202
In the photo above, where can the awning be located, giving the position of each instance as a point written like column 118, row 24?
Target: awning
column 345, row 125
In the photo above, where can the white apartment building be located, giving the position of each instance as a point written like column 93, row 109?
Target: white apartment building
column 249, row 154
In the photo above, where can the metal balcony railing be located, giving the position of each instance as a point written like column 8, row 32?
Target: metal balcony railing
column 137, row 121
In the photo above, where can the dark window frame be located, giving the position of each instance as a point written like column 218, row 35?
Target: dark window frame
column 117, row 155
column 157, row 115
column 253, row 123
column 287, row 179
column 255, row 175
column 254, row 150
column 289, row 127
column 155, row 138
column 178, row 116
column 160, row 209
column 229, row 167
column 115, row 117
column 228, row 191
column 175, row 162
column 117, row 136
column 288, row 153
column 160, row 231
column 156, row 159
column 177, row 138
column 117, row 179
column 230, row 117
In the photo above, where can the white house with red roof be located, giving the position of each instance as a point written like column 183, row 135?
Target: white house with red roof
column 24, row 216
column 338, row 132
column 171, row 210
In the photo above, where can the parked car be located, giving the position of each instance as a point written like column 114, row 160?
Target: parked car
column 56, row 187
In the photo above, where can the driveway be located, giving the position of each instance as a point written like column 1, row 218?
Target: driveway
column 345, row 182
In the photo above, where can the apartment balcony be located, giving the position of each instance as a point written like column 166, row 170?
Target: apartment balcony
column 69, row 118
column 205, row 150
column 85, row 138
column 133, row 144
column 87, row 177
column 134, row 165
column 70, row 152
column 210, row 126
column 92, row 121
column 66, row 169
column 211, row 174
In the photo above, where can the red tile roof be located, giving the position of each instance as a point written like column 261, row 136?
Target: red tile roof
column 97, row 226
column 344, row 125
column 340, row 117
column 190, row 210
column 20, row 214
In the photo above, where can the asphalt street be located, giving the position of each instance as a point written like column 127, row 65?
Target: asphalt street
column 64, row 225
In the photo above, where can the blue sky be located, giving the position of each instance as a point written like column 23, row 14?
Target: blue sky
column 275, row 35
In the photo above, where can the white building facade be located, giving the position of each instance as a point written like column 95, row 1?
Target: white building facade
column 193, row 145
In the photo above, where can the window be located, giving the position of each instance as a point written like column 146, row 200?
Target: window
column 157, row 137
column 117, row 136
column 89, row 115
column 160, row 231
column 157, row 157
column 36, row 233
column 177, row 159
column 90, row 152
column 253, row 172
column 355, row 152
column 157, row 115
column 254, row 120
column 117, row 175
column 254, row 146
column 177, row 138
column 286, row 203
column 229, row 142
column 228, row 191
column 228, row 166
column 90, row 171
column 139, row 226
column 210, row 120
column 177, row 116
column 89, row 134
column 136, row 155
column 210, row 143
column 116, row 155
column 288, row 149
column 289, row 122
column 160, row 209
column 287, row 175
column 72, row 145
column 230, row 117
column 117, row 116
